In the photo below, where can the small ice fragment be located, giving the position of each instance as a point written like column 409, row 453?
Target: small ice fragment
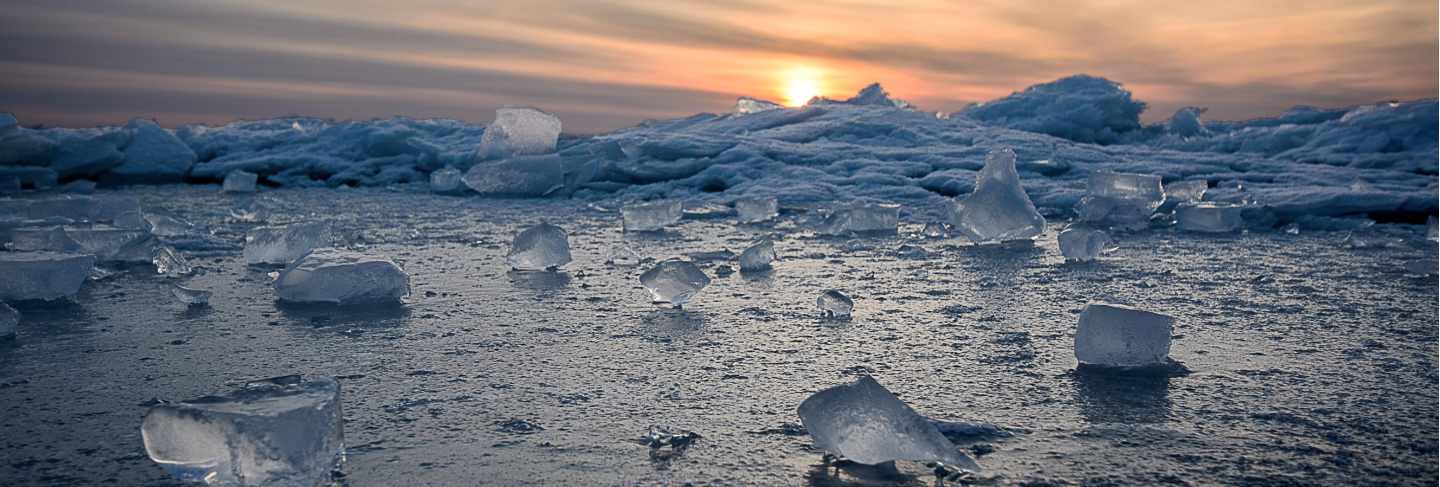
column 1080, row 243
column 651, row 216
column 191, row 297
column 864, row 423
column 756, row 210
column 162, row 225
column 342, row 277
column 446, row 180
column 998, row 210
column 622, row 256
column 1111, row 335
column 283, row 432
column 834, row 305
column 519, row 131
column 1121, row 199
column 538, row 248
column 1432, row 232
column 757, row 257
column 111, row 244
column 169, row 263
column 674, row 282
column 1210, row 218
column 746, row 105
column 1292, row 229
column 935, row 230
column 525, row 176
column 9, row 318
column 42, row 275
column 281, row 245
column 240, row 182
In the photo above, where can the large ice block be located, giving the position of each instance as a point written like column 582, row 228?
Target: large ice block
column 1210, row 218
column 1081, row 243
column 519, row 131
column 9, row 320
column 834, row 305
column 114, row 245
column 538, row 248
column 282, row 432
column 342, row 277
column 865, row 423
column 240, row 182
column 1121, row 200
column 1112, row 335
column 674, row 282
column 651, row 216
column 446, row 180
column 526, row 176
column 42, row 275
column 281, row 244
column 756, row 210
column 998, row 210
column 758, row 257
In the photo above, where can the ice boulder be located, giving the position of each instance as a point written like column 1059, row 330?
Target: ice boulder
column 674, row 282
column 1080, row 243
column 525, row 176
column 998, row 210
column 756, row 210
column 153, row 155
column 87, row 157
column 1112, row 335
column 447, row 180
column 746, row 105
column 342, row 277
column 1120, row 200
column 834, row 305
column 42, row 275
column 651, row 216
column 758, row 257
column 865, row 423
column 519, row 131
column 9, row 318
column 281, row 244
column 240, row 182
column 1210, row 218
column 539, row 248
column 281, row 432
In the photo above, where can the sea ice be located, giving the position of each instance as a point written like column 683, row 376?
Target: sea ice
column 674, row 282
column 191, row 297
column 281, row 245
column 756, row 210
column 9, row 318
column 998, row 210
column 1210, row 218
column 1112, row 335
column 1080, row 243
column 519, row 131
column 651, row 216
column 42, row 275
column 446, row 180
column 1120, row 199
column 538, row 248
column 282, row 432
column 342, row 277
column 746, row 105
column 757, row 257
column 240, row 182
column 115, row 245
column 526, row 176
column 865, row 423
column 834, row 305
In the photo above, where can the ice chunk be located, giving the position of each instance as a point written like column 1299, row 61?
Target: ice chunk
column 538, row 248
column 1121, row 200
column 111, row 244
column 42, row 275
column 52, row 239
column 153, row 154
column 1192, row 191
column 1081, row 243
column 169, row 263
column 281, row 245
column 862, row 218
column 519, row 131
column 865, row 423
column 756, row 210
column 1140, row 187
column 342, row 277
column 88, row 157
column 1111, row 335
column 191, row 297
column 834, row 305
column 282, row 432
column 1209, row 217
column 446, row 181
column 621, row 255
column 162, row 225
column 746, row 105
column 240, row 182
column 651, row 216
column 674, row 281
column 528, row 176
column 998, row 210
column 757, row 257
column 935, row 230
column 9, row 318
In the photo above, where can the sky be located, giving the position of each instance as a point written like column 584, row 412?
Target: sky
column 602, row 65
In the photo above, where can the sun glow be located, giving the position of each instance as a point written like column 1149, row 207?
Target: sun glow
column 801, row 84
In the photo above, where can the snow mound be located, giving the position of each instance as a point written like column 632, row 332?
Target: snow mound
column 1081, row 108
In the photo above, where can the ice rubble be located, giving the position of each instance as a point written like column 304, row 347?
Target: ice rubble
column 1112, row 335
column 342, row 277
column 998, row 209
column 865, row 423
column 539, row 248
column 283, row 431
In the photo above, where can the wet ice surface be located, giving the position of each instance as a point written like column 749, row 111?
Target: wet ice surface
column 1311, row 361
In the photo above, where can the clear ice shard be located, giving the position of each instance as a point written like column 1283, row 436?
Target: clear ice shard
column 1192, row 191
column 998, row 210
column 519, row 131
column 623, row 256
column 651, row 216
column 758, row 257
column 1210, row 218
column 865, row 423
column 191, row 296
column 281, row 432
column 746, row 105
column 281, row 244
column 114, row 245
column 9, row 319
column 1081, row 243
column 1112, row 335
column 342, row 277
column 863, row 219
column 240, row 182
column 674, row 282
column 525, row 176
column 834, row 305
column 446, row 180
column 538, row 248
column 162, row 225
column 42, row 275
column 756, row 210
column 169, row 263
column 1120, row 200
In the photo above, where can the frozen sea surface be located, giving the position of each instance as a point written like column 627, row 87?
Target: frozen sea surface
column 1312, row 363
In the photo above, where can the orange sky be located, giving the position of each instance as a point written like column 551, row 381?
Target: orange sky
column 605, row 65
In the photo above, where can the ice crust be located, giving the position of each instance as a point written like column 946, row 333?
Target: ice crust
column 538, row 248
column 1112, row 335
column 674, row 282
column 865, row 423
column 281, row 244
column 42, row 275
column 341, row 277
column 998, row 210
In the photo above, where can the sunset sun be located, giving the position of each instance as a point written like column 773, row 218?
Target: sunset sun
column 801, row 84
